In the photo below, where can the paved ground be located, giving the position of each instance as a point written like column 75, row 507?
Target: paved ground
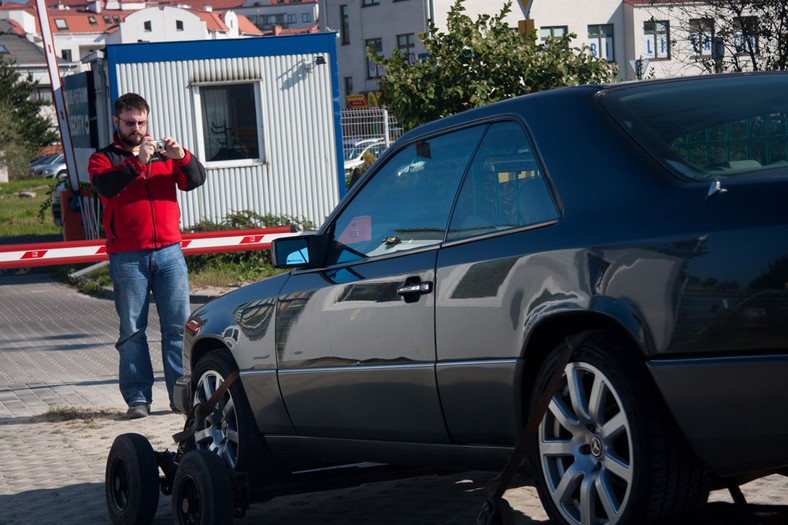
column 60, row 409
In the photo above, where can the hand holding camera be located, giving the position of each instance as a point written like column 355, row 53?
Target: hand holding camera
column 170, row 147
column 167, row 146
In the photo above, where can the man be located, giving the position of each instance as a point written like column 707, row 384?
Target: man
column 137, row 184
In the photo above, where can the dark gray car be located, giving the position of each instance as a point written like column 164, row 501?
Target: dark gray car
column 642, row 223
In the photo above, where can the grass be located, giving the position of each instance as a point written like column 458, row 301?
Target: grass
column 64, row 413
column 20, row 215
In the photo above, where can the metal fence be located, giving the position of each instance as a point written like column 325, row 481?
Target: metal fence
column 370, row 123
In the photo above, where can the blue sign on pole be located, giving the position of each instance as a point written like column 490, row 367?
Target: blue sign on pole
column 80, row 97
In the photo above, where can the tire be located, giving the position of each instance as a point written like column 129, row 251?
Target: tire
column 202, row 493
column 131, row 481
column 230, row 430
column 607, row 451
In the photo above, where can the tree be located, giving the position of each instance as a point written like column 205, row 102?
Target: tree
column 23, row 130
column 732, row 35
column 479, row 62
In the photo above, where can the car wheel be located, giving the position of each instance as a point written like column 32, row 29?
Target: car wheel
column 607, row 450
column 131, row 481
column 230, row 430
column 202, row 492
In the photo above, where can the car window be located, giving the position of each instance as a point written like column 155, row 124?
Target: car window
column 504, row 188
column 406, row 204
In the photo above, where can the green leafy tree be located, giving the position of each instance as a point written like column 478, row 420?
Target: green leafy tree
column 23, row 130
column 13, row 156
column 478, row 62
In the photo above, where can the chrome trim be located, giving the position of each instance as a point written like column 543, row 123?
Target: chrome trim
column 356, row 367
column 257, row 372
column 475, row 362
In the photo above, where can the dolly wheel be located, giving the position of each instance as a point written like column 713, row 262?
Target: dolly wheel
column 202, row 493
column 131, row 481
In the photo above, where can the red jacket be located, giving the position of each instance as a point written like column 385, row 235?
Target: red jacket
column 140, row 205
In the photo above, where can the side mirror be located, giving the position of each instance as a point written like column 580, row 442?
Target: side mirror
column 295, row 252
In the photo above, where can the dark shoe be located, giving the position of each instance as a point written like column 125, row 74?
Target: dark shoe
column 175, row 409
column 138, row 410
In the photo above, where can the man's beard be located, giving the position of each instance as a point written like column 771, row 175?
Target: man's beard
column 132, row 140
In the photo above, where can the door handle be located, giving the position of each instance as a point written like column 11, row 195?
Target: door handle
column 416, row 288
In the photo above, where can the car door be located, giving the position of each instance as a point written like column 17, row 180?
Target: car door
column 488, row 281
column 356, row 337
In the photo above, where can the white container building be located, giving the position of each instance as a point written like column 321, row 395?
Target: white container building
column 262, row 114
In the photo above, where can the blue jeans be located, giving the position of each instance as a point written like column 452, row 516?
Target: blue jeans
column 134, row 276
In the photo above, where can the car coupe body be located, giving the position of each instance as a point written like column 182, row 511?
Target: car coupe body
column 422, row 320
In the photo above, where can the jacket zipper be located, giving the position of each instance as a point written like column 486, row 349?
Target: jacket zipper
column 150, row 203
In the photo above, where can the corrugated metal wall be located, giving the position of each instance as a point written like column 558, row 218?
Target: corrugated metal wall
column 298, row 176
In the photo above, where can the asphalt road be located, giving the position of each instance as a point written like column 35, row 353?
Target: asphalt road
column 56, row 351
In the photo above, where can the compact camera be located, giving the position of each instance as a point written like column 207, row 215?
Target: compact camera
column 159, row 145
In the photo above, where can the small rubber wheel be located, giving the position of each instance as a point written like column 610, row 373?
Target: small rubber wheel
column 131, row 481
column 202, row 493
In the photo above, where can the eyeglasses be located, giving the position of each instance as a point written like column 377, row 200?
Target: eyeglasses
column 134, row 123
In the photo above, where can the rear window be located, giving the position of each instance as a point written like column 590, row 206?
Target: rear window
column 709, row 127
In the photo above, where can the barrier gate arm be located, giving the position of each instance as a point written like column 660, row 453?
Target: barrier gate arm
column 73, row 252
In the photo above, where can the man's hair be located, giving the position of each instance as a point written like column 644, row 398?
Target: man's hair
column 130, row 101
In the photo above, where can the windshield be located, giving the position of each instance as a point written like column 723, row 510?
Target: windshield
column 710, row 128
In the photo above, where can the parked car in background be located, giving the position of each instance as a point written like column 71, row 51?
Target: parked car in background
column 354, row 151
column 57, row 214
column 424, row 319
column 42, row 159
column 54, row 167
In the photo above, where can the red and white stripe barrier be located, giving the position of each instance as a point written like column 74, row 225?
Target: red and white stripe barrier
column 73, row 252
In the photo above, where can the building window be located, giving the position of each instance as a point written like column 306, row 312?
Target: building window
column 344, row 25
column 60, row 23
column 406, row 44
column 44, row 94
column 292, row 18
column 92, row 20
column 348, row 86
column 230, row 130
column 147, row 26
column 366, row 3
column 107, row 20
column 116, row 19
column 600, row 40
column 657, row 35
column 548, row 32
column 179, row 25
column 306, row 18
column 3, row 50
column 745, row 35
column 374, row 45
column 701, row 35
column 65, row 54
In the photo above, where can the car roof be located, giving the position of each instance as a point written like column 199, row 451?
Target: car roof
column 730, row 80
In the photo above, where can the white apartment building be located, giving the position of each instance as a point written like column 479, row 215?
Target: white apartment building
column 666, row 40
column 665, row 37
column 268, row 15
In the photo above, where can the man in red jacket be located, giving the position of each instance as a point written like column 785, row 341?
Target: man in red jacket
column 137, row 181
